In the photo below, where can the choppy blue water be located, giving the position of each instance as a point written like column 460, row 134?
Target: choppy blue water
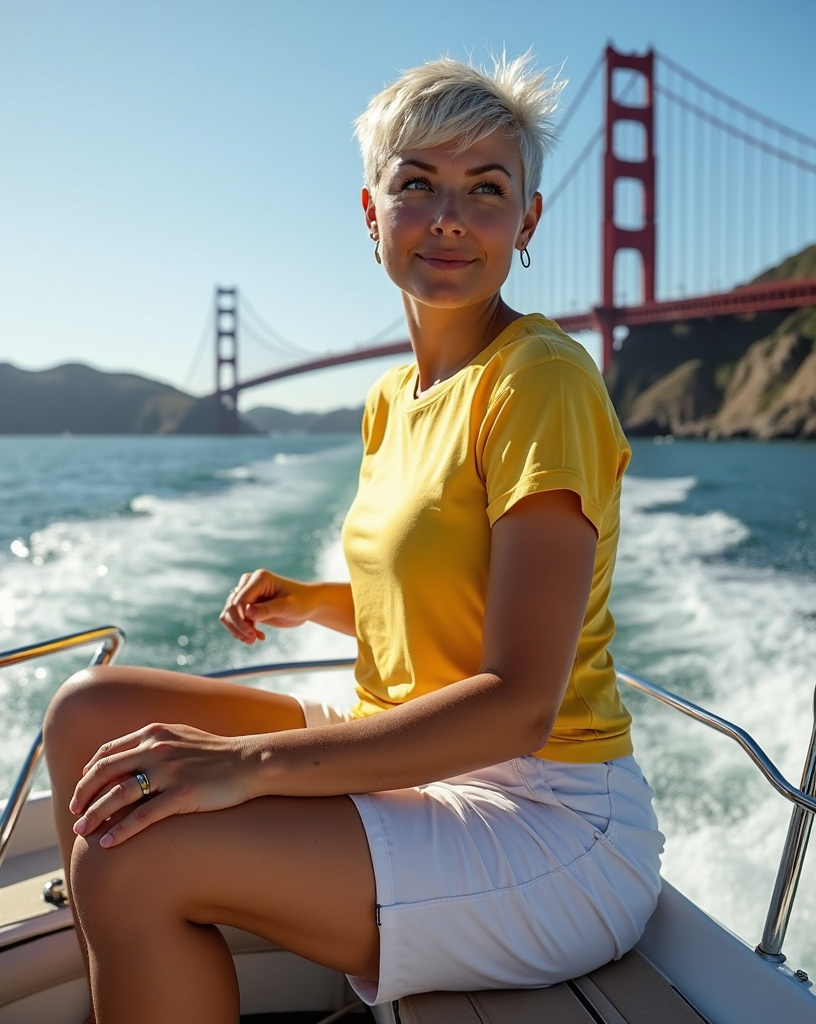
column 715, row 597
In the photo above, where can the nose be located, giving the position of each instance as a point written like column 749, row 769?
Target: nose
column 448, row 217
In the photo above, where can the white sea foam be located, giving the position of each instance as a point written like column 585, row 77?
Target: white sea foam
column 739, row 640
column 161, row 574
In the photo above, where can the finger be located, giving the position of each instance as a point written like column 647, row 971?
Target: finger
column 114, row 761
column 115, row 746
column 146, row 813
column 240, row 593
column 120, row 795
column 234, row 619
column 234, row 615
column 100, row 778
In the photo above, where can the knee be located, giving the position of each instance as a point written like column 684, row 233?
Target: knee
column 74, row 706
column 105, row 885
column 143, row 882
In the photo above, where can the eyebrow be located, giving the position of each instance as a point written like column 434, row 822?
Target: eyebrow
column 473, row 172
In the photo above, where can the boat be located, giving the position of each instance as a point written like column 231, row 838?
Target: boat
column 686, row 968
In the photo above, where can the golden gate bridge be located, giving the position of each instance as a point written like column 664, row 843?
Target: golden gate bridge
column 750, row 181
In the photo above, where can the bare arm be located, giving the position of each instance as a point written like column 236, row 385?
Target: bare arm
column 264, row 598
column 542, row 559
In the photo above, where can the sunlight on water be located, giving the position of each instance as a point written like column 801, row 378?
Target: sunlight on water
column 704, row 603
column 740, row 641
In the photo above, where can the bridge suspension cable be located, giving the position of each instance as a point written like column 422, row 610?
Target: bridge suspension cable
column 743, row 186
column 204, row 345
column 265, row 335
column 385, row 332
column 742, row 108
column 730, row 202
column 743, row 136
column 579, row 97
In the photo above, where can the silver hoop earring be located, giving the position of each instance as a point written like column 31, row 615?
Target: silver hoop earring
column 524, row 256
column 377, row 256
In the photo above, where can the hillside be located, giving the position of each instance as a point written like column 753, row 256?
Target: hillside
column 750, row 376
column 80, row 400
column 77, row 399
column 269, row 420
column 747, row 376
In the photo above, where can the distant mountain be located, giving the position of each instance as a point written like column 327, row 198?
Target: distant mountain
column 740, row 376
column 80, row 400
column 743, row 376
column 77, row 399
column 269, row 420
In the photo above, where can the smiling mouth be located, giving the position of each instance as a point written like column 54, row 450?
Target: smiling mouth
column 445, row 261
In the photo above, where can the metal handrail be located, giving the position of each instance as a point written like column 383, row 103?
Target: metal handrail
column 748, row 744
column 804, row 800
column 109, row 640
column 282, row 668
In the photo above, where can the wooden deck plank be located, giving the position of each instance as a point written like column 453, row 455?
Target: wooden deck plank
column 555, row 1005
column 628, row 991
column 641, row 994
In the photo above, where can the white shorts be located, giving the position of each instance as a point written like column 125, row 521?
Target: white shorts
column 519, row 875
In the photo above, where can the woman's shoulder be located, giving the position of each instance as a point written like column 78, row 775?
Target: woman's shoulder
column 534, row 342
column 391, row 383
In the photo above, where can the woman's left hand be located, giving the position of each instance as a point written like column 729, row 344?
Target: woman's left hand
column 184, row 769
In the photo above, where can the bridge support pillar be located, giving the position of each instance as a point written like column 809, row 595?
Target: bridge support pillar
column 226, row 359
column 615, row 237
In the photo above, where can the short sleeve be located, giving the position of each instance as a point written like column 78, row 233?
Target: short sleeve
column 551, row 426
column 378, row 401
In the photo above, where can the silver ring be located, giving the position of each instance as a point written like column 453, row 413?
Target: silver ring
column 144, row 783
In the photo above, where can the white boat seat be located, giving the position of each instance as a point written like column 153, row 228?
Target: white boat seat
column 627, row 991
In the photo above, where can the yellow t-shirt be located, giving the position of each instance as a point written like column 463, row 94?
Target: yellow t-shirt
column 529, row 413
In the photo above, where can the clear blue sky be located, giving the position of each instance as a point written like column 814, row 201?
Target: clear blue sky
column 151, row 150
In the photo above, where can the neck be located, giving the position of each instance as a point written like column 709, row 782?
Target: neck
column 445, row 340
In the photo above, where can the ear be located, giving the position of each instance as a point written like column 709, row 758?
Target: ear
column 370, row 211
column 530, row 221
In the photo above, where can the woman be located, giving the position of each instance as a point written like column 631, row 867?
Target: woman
column 480, row 547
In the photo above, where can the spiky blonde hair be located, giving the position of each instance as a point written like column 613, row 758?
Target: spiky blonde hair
column 447, row 100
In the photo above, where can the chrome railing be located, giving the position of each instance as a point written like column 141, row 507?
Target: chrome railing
column 803, row 799
column 109, row 641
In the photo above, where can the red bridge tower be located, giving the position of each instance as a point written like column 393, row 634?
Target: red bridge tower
column 641, row 238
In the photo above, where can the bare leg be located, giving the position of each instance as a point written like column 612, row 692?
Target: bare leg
column 99, row 704
column 294, row 870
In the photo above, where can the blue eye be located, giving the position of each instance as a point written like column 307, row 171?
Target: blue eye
column 416, row 184
column 490, row 188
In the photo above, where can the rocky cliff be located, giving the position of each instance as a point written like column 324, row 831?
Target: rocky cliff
column 749, row 376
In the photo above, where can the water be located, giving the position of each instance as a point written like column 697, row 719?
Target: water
column 714, row 597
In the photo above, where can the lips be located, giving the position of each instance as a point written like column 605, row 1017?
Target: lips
column 446, row 259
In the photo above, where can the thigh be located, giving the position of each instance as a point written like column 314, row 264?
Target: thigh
column 100, row 704
column 296, row 871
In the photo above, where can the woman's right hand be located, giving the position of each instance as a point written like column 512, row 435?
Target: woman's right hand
column 264, row 597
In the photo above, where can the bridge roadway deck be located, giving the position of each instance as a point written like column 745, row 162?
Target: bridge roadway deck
column 753, row 298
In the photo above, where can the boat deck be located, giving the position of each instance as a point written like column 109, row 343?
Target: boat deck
column 629, row 991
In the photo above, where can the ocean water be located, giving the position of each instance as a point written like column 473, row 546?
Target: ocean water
column 715, row 598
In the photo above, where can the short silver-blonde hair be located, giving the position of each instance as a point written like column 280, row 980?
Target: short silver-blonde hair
column 446, row 100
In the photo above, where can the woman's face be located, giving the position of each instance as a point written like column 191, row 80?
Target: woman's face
column 450, row 223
